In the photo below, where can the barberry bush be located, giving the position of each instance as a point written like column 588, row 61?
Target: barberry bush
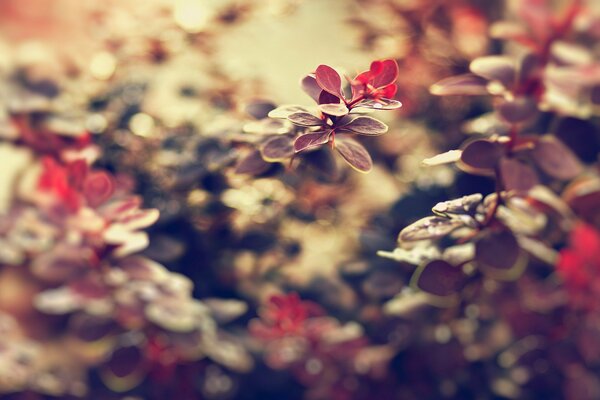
column 172, row 227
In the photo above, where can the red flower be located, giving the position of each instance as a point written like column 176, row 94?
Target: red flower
column 579, row 265
column 284, row 315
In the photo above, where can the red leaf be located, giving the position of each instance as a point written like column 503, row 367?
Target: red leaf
column 388, row 74
column 329, row 80
column 97, row 188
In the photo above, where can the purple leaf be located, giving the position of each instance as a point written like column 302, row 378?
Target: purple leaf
column 329, row 80
column 439, row 278
column 285, row 110
column 366, row 126
column 305, row 119
column 498, row 250
column 252, row 164
column 311, row 87
column 327, row 98
column 517, row 110
column 310, row 140
column 354, row 153
column 481, row 156
column 517, row 175
column 467, row 84
column 556, row 159
column 278, row 148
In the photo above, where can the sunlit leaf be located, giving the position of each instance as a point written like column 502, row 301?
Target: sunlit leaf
column 448, row 157
column 467, row 84
column 463, row 205
column 495, row 68
column 379, row 104
column 354, row 154
column 429, row 228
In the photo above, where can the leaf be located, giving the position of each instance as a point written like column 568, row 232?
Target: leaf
column 429, row 228
column 327, row 98
column 439, row 278
column 448, row 157
column 252, row 164
column 481, row 157
column 464, row 205
column 285, row 110
column 329, row 80
column 311, row 87
column 517, row 175
column 500, row 255
column 517, row 110
column 337, row 110
column 467, row 84
column 387, row 74
column 97, row 188
column 495, row 68
column 260, row 109
column 305, row 119
column 379, row 104
column 277, row 148
column 268, row 126
column 354, row 154
column 310, row 140
column 125, row 369
column 556, row 159
column 366, row 126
